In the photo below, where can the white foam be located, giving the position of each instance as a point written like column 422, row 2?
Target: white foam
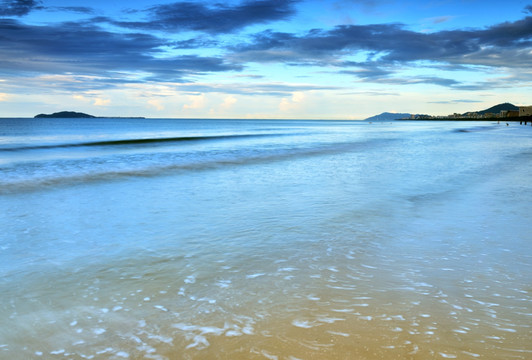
column 305, row 324
column 448, row 356
column 200, row 342
column 471, row 354
column 289, row 269
column 99, row 331
column 368, row 266
column 190, row 279
column 163, row 339
column 507, row 329
column 253, row 276
column 223, row 283
column 329, row 320
column 248, row 330
column 231, row 333
column 122, row 354
column 269, row 356
column 338, row 333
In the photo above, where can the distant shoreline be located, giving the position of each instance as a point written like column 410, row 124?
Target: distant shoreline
column 512, row 119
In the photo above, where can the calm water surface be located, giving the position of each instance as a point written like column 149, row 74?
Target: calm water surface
column 225, row 239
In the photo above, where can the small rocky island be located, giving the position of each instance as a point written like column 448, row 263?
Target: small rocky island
column 80, row 115
column 65, row 115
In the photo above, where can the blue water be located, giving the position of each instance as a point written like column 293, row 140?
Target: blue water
column 165, row 238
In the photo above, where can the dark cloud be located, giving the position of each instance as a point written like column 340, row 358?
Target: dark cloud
column 212, row 18
column 395, row 44
column 528, row 9
column 76, row 9
column 18, row 7
column 433, row 80
column 196, row 43
column 89, row 50
column 458, row 101
column 367, row 72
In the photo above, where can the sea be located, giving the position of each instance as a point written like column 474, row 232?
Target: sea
column 265, row 239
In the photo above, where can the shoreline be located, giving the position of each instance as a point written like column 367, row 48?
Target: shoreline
column 513, row 119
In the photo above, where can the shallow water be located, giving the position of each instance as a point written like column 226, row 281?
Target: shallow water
column 265, row 239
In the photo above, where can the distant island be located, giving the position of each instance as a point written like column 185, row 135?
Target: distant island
column 65, row 115
column 79, row 115
column 501, row 111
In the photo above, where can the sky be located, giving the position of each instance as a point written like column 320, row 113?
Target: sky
column 277, row 59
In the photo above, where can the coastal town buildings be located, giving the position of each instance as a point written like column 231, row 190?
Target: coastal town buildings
column 495, row 113
column 525, row 110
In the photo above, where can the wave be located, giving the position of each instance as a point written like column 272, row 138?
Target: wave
column 136, row 141
column 88, row 170
column 474, row 129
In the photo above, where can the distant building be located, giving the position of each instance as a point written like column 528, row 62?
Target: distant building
column 512, row 113
column 525, row 110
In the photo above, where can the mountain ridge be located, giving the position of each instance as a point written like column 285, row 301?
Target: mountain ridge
column 496, row 109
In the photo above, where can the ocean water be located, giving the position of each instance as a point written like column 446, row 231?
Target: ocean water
column 254, row 239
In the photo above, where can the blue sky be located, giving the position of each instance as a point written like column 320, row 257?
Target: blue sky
column 311, row 59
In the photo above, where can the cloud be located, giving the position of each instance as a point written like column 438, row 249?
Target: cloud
column 75, row 9
column 196, row 102
column 4, row 97
column 18, row 7
column 440, row 19
column 101, row 102
column 228, row 103
column 269, row 89
column 293, row 103
column 86, row 49
column 156, row 103
column 217, row 18
column 394, row 44
column 458, row 101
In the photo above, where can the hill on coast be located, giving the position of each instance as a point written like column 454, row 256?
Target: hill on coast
column 387, row 116
column 498, row 108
